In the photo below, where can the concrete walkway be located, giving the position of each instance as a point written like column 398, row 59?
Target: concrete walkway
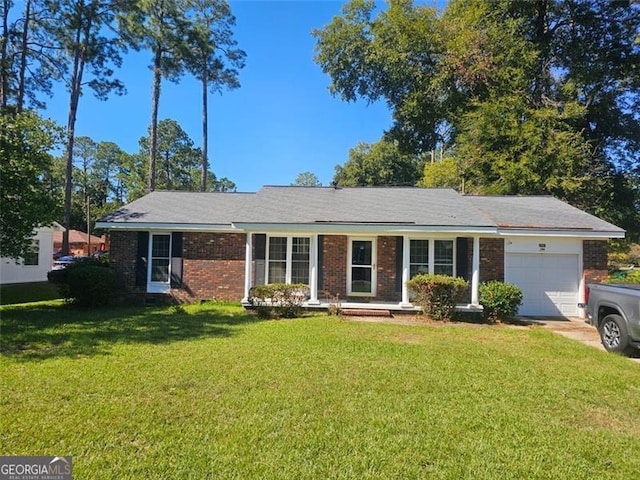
column 573, row 328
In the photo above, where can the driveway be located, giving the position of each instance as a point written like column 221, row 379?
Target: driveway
column 573, row 328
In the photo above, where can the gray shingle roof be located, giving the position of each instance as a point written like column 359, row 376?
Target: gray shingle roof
column 538, row 212
column 365, row 205
column 209, row 208
column 358, row 205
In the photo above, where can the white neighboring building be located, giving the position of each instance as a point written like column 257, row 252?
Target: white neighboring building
column 34, row 267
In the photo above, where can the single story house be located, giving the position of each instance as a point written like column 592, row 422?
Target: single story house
column 35, row 265
column 80, row 244
column 359, row 244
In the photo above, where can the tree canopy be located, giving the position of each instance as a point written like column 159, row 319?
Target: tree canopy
column 380, row 163
column 307, row 179
column 25, row 141
column 539, row 97
column 79, row 43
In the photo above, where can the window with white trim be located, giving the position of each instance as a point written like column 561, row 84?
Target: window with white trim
column 443, row 257
column 160, row 257
column 431, row 256
column 277, row 260
column 300, row 248
column 418, row 257
column 31, row 255
column 288, row 259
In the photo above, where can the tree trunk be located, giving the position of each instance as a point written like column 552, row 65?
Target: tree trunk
column 88, row 227
column 4, row 55
column 167, row 171
column 205, row 123
column 153, row 134
column 543, row 81
column 76, row 85
column 23, row 57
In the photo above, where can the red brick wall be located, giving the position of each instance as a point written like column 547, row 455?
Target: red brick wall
column 122, row 256
column 594, row 260
column 491, row 259
column 386, row 269
column 334, row 266
column 213, row 265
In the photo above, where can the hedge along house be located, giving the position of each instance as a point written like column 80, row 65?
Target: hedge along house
column 360, row 245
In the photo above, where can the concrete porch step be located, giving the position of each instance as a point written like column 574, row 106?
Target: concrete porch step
column 364, row 312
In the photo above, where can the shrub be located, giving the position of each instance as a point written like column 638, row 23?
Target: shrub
column 500, row 300
column 89, row 284
column 60, row 276
column 624, row 276
column 279, row 299
column 437, row 294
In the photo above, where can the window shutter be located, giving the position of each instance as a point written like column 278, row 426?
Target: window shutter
column 176, row 259
column 462, row 257
column 141, row 259
column 320, row 266
column 399, row 255
column 261, row 246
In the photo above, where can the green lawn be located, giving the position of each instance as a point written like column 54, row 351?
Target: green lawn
column 210, row 392
column 28, row 292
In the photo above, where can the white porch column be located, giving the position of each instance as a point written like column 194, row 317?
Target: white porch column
column 313, row 271
column 405, row 271
column 475, row 275
column 247, row 267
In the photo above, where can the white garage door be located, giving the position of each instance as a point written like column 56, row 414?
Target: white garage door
column 549, row 282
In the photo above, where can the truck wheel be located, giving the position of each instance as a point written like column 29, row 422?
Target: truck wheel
column 613, row 333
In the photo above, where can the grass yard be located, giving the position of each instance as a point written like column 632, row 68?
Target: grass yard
column 28, row 292
column 211, row 392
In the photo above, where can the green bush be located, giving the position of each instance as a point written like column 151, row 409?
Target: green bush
column 89, row 284
column 60, row 276
column 279, row 299
column 500, row 300
column 437, row 294
column 624, row 276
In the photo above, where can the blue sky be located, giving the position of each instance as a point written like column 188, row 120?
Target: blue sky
column 282, row 121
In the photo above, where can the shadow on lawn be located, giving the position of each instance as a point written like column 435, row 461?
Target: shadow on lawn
column 38, row 332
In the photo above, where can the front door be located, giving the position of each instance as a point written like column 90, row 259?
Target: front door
column 362, row 268
column 159, row 273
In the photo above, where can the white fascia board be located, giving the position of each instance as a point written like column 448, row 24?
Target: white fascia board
column 167, row 227
column 354, row 228
column 586, row 234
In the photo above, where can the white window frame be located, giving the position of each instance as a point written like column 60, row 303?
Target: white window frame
column 34, row 246
column 158, row 287
column 432, row 253
column 374, row 271
column 289, row 256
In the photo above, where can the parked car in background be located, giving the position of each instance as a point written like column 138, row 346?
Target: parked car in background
column 57, row 274
column 63, row 262
column 614, row 309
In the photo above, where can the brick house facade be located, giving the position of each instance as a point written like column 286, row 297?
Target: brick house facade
column 214, row 265
column 358, row 245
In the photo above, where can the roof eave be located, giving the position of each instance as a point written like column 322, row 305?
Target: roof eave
column 329, row 227
column 169, row 227
column 569, row 233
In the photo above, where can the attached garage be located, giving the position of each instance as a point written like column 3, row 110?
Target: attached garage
column 549, row 282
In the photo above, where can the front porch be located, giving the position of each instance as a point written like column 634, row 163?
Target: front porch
column 325, row 304
column 377, row 279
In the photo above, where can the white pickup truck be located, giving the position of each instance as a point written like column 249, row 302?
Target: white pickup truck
column 614, row 309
